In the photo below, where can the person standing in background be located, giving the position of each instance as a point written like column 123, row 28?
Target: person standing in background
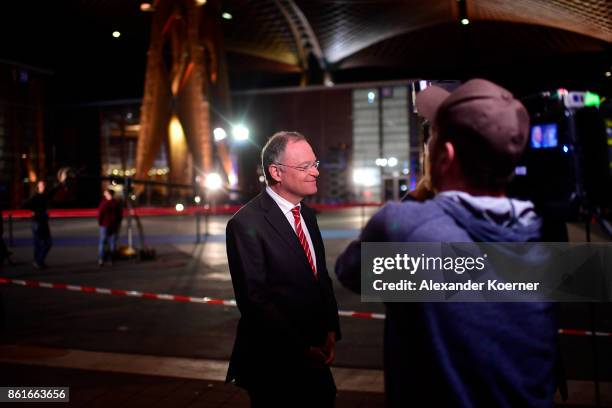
column 110, row 214
column 39, row 204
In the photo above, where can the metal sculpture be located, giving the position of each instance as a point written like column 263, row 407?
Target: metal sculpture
column 186, row 90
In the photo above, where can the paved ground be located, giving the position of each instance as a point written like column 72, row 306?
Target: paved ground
column 105, row 323
column 62, row 320
column 122, row 380
column 113, row 379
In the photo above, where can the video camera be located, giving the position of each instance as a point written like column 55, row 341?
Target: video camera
column 567, row 166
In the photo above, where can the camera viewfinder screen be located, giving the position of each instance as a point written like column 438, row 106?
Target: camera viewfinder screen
column 544, row 136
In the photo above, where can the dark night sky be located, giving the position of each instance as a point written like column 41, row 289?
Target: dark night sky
column 72, row 38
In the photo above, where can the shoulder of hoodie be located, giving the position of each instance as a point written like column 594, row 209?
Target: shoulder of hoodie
column 408, row 215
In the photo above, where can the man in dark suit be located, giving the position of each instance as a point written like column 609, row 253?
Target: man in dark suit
column 286, row 335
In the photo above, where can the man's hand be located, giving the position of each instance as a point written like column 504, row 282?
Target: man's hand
column 319, row 357
column 315, row 357
column 330, row 348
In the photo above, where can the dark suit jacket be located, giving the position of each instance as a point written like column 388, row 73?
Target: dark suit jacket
column 284, row 309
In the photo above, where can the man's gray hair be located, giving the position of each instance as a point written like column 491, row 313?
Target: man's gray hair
column 274, row 149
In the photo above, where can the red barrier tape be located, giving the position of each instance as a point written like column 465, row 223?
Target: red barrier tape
column 212, row 301
column 574, row 332
column 156, row 211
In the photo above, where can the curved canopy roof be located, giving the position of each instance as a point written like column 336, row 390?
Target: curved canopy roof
column 271, row 42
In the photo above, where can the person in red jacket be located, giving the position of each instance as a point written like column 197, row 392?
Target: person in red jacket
column 110, row 214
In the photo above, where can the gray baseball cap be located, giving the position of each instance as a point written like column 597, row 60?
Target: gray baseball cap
column 483, row 120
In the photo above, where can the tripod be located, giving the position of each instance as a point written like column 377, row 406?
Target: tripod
column 595, row 214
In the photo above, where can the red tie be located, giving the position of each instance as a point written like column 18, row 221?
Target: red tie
column 302, row 238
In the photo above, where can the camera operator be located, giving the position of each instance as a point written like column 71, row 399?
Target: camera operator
column 464, row 354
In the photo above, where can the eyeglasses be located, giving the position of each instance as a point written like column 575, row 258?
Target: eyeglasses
column 315, row 164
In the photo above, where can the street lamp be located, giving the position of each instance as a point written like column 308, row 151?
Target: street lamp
column 240, row 132
column 213, row 181
column 219, row 134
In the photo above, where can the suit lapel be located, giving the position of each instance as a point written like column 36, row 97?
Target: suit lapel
column 280, row 224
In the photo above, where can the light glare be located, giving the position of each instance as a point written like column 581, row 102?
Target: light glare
column 240, row 132
column 366, row 177
column 219, row 134
column 382, row 162
column 232, row 179
column 213, row 181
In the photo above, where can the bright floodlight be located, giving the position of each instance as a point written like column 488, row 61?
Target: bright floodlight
column 197, row 199
column 179, row 207
column 465, row 21
column 213, row 181
column 366, row 177
column 226, row 16
column 145, row 7
column 116, row 34
column 219, row 134
column 240, row 132
column 392, row 162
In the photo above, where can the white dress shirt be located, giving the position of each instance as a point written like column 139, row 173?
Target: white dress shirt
column 286, row 207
